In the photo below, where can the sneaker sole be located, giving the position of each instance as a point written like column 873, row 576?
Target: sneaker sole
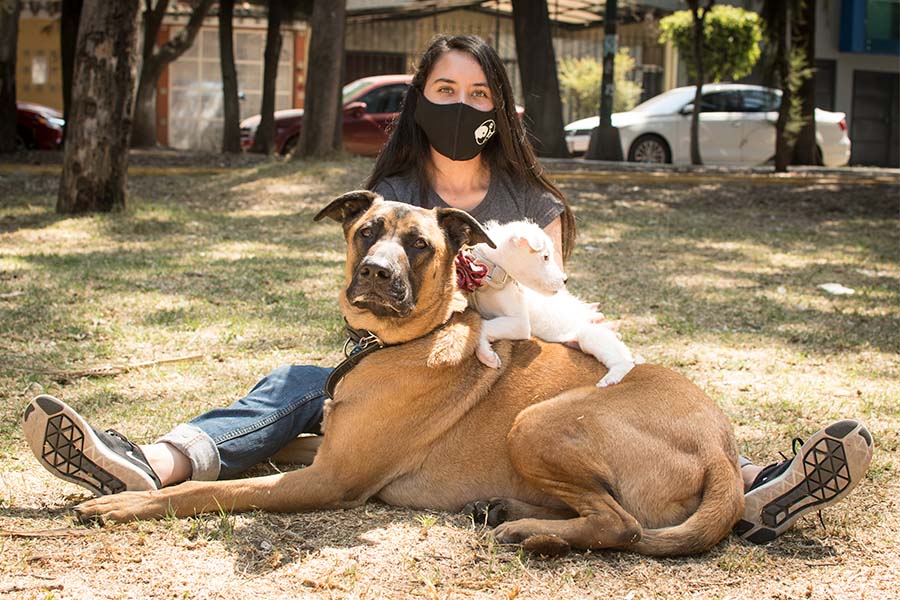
column 67, row 447
column 827, row 467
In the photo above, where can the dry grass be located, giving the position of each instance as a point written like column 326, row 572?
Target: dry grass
column 716, row 280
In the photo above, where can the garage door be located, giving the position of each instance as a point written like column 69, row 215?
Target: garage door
column 875, row 126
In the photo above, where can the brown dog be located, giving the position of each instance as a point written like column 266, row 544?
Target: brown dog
column 648, row 465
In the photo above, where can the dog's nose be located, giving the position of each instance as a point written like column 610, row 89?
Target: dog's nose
column 374, row 269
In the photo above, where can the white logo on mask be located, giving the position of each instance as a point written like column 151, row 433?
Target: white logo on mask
column 484, row 132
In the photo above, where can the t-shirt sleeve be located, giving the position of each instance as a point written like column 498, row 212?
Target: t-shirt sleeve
column 543, row 207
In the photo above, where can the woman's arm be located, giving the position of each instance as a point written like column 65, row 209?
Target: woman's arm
column 554, row 230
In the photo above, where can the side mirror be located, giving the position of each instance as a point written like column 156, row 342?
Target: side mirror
column 687, row 108
column 355, row 109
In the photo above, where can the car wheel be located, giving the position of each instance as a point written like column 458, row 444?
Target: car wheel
column 22, row 140
column 650, row 149
column 290, row 145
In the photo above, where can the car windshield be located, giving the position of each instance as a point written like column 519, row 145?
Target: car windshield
column 664, row 104
column 351, row 89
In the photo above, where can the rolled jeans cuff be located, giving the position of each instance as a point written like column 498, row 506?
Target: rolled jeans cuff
column 200, row 449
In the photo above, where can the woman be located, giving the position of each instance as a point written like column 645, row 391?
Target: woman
column 457, row 142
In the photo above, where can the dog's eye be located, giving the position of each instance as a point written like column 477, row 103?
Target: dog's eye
column 420, row 244
column 365, row 232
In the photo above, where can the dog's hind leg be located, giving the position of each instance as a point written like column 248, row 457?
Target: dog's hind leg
column 556, row 455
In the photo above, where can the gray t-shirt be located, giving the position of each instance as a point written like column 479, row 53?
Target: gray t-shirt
column 506, row 200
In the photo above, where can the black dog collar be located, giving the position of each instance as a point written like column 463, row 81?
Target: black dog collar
column 364, row 343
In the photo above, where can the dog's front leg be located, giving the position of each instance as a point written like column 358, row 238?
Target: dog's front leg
column 296, row 491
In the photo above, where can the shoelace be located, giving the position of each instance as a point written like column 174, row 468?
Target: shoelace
column 121, row 438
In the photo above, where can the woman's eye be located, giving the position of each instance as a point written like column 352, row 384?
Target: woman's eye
column 420, row 244
column 480, row 93
column 445, row 90
column 365, row 232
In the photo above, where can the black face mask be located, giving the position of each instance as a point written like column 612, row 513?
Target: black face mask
column 457, row 131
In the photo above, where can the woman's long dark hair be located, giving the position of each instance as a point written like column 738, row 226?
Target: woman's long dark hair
column 407, row 148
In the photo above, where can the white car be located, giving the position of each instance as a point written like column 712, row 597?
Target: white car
column 737, row 127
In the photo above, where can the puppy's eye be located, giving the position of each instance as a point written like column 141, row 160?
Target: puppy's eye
column 365, row 232
column 420, row 244
column 546, row 258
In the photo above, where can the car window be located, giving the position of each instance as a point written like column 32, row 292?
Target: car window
column 729, row 101
column 386, row 99
column 760, row 100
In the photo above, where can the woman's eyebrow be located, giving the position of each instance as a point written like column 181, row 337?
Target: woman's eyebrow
column 448, row 80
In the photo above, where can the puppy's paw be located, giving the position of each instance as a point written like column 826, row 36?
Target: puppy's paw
column 487, row 356
column 615, row 374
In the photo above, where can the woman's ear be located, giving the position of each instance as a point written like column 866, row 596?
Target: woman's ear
column 348, row 207
column 462, row 229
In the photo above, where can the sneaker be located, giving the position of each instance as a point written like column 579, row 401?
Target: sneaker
column 104, row 462
column 824, row 470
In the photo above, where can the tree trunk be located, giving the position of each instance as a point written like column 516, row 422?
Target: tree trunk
column 95, row 161
column 68, row 39
column 264, row 141
column 699, row 20
column 805, row 148
column 9, row 35
column 323, row 113
column 231, row 133
column 783, row 148
column 540, row 85
column 144, row 133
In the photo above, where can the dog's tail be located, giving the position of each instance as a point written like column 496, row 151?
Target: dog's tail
column 720, row 508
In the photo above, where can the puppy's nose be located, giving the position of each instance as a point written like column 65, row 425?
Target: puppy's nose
column 565, row 279
column 376, row 270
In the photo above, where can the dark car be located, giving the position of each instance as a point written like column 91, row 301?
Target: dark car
column 370, row 104
column 38, row 127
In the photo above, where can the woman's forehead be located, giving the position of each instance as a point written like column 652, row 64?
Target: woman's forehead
column 459, row 67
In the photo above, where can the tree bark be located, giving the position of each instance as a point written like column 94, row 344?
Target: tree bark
column 231, row 133
column 9, row 35
column 540, row 84
column 699, row 21
column 264, row 142
column 95, row 161
column 323, row 113
column 783, row 149
column 804, row 35
column 144, row 133
column 68, row 39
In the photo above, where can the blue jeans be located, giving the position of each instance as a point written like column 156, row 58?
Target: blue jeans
column 225, row 442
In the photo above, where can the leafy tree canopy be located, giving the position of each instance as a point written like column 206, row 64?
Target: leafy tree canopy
column 731, row 38
column 580, row 79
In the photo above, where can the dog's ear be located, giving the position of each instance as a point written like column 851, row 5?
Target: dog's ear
column 346, row 208
column 462, row 228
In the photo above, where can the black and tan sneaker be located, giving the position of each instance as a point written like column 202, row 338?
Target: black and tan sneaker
column 823, row 470
column 104, row 462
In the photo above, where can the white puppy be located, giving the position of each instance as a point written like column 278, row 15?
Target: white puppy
column 523, row 294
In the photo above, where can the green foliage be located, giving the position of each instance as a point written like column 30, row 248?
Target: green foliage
column 731, row 39
column 580, row 79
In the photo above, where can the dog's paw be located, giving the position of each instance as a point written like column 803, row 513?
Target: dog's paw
column 488, row 513
column 615, row 374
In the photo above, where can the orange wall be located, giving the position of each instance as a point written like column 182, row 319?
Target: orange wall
column 39, row 44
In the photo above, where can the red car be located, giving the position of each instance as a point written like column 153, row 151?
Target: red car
column 370, row 104
column 38, row 127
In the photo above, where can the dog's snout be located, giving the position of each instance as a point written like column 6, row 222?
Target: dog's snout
column 375, row 270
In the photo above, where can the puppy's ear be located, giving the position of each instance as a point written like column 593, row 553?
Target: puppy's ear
column 531, row 240
column 346, row 208
column 461, row 228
